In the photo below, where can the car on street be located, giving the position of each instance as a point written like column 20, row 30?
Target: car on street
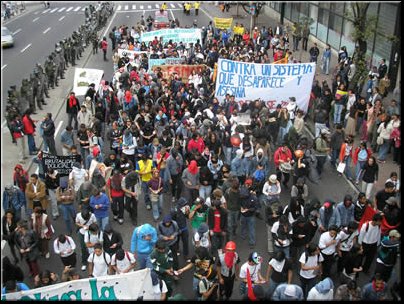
column 7, row 39
column 161, row 20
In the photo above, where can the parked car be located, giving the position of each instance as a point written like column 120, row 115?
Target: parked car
column 7, row 39
column 161, row 20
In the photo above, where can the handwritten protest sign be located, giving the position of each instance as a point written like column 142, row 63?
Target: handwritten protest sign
column 104, row 170
column 131, row 54
column 126, row 286
column 63, row 164
column 223, row 23
column 167, row 61
column 183, row 70
column 243, row 119
column 272, row 83
column 186, row 36
column 84, row 77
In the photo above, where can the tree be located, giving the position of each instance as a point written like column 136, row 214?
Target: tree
column 364, row 28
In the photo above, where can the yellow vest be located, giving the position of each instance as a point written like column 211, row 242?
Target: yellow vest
column 236, row 29
column 187, row 6
column 145, row 167
column 197, row 5
column 164, row 6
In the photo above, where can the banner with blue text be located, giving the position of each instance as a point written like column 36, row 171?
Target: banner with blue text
column 184, row 35
column 272, row 83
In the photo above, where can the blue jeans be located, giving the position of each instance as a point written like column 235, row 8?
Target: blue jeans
column 334, row 157
column 318, row 127
column 232, row 219
column 286, row 250
column 205, row 191
column 146, row 193
column 227, row 154
column 69, row 214
column 102, row 222
column 31, row 143
column 144, row 260
column 248, row 222
column 359, row 167
column 157, row 206
column 271, row 288
column 281, row 135
column 383, row 149
column 337, row 113
column 326, row 66
column 84, row 153
column 347, row 171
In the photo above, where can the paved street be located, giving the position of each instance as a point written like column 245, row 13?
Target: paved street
column 41, row 35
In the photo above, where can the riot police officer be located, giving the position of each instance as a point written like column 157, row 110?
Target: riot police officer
column 43, row 79
column 50, row 69
column 26, row 93
column 38, row 92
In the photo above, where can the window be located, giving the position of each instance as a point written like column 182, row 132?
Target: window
column 288, row 7
column 337, row 8
column 295, row 11
column 387, row 18
column 335, row 23
column 313, row 14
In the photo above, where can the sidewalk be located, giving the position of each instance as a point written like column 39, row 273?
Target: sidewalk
column 29, row 7
column 265, row 20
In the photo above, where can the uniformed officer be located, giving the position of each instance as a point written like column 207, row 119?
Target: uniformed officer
column 50, row 69
column 38, row 92
column 26, row 93
column 43, row 80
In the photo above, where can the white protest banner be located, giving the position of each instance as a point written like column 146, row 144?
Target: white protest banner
column 131, row 54
column 104, row 170
column 127, row 286
column 243, row 119
column 178, row 35
column 63, row 164
column 168, row 61
column 84, row 77
column 271, row 83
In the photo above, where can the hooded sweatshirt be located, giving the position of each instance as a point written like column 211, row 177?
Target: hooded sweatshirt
column 324, row 290
column 139, row 244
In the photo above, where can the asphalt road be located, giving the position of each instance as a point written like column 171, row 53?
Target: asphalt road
column 329, row 187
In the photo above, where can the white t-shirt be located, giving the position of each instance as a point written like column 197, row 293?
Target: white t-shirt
column 311, row 261
column 93, row 238
column 254, row 270
column 124, row 263
column 100, row 268
column 157, row 291
column 81, row 221
column 346, row 242
column 326, row 238
column 204, row 240
column 286, row 242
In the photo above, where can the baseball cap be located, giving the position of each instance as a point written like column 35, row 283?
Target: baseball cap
column 394, row 233
column 248, row 181
column 392, row 200
column 290, row 291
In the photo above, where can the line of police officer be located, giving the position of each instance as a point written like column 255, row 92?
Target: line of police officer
column 33, row 91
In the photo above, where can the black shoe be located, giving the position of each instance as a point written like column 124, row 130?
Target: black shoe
column 47, row 96
column 40, row 108
column 44, row 103
column 62, row 77
column 34, row 113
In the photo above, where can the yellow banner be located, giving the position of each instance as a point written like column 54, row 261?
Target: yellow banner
column 223, row 23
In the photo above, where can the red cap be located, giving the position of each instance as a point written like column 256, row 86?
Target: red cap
column 327, row 204
column 248, row 181
column 230, row 245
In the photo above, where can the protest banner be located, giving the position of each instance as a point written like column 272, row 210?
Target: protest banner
column 166, row 61
column 63, row 164
column 243, row 119
column 104, row 170
column 84, row 77
column 223, row 23
column 130, row 53
column 183, row 70
column 271, row 83
column 184, row 35
column 127, row 286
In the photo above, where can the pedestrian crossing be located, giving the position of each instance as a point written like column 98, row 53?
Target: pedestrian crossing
column 118, row 8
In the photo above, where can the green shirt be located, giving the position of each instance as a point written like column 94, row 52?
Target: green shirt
column 199, row 217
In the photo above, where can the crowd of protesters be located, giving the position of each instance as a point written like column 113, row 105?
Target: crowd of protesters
column 171, row 137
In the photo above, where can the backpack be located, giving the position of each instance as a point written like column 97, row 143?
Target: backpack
column 105, row 258
column 127, row 256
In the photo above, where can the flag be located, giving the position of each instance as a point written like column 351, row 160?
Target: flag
column 283, row 60
column 367, row 216
column 386, row 227
column 250, row 291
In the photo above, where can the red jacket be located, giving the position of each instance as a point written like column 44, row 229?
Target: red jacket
column 104, row 44
column 280, row 155
column 355, row 154
column 342, row 152
column 198, row 145
column 29, row 125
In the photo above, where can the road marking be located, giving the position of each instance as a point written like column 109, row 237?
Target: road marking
column 172, row 5
column 77, row 9
column 54, row 10
column 149, row 6
column 180, row 6
column 134, row 6
column 83, row 9
column 24, row 49
column 61, row 18
column 172, row 14
column 141, row 7
column 69, row 9
column 4, row 122
column 17, row 31
column 36, row 13
column 47, row 30
column 45, row 11
column 109, row 25
column 119, row 7
column 210, row 17
column 58, row 128
column 35, row 19
column 61, row 10
column 126, row 7
column 157, row 6
column 3, row 66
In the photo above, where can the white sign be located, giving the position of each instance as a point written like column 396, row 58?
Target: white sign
column 178, row 35
column 243, row 119
column 131, row 54
column 127, row 286
column 272, row 83
column 84, row 77
column 168, row 61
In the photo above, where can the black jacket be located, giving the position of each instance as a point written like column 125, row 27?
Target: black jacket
column 8, row 236
column 223, row 219
column 116, row 238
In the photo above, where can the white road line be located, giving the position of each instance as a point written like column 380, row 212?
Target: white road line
column 180, row 5
column 61, row 18
column 172, row 14
column 83, row 9
column 17, row 31
column 141, row 7
column 134, row 6
column 109, row 25
column 54, row 10
column 47, row 30
column 210, row 17
column 144, row 12
column 58, row 128
column 4, row 122
column 69, row 9
column 35, row 19
column 149, row 6
column 36, row 13
column 157, row 6
column 24, row 49
column 126, row 7
column 172, row 5
column 45, row 11
column 61, row 10
column 77, row 9
column 119, row 7
column 3, row 66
